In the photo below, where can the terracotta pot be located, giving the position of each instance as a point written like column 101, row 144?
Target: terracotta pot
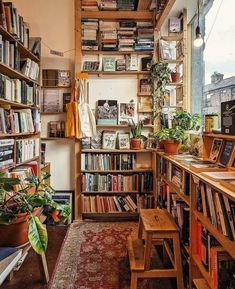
column 175, row 77
column 135, row 144
column 148, row 121
column 16, row 234
column 171, row 146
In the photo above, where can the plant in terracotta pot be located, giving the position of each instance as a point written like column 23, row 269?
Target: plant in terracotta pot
column 20, row 210
column 137, row 137
column 175, row 76
column 171, row 139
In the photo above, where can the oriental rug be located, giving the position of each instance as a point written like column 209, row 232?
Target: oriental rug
column 94, row 256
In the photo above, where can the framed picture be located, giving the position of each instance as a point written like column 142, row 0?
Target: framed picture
column 109, row 140
column 124, row 141
column 152, row 143
column 107, row 112
column 215, row 149
column 127, row 110
column 227, row 153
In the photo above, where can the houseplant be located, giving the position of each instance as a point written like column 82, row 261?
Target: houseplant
column 171, row 139
column 175, row 76
column 20, row 210
column 159, row 78
column 187, row 121
column 137, row 137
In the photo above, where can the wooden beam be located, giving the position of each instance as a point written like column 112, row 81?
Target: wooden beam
column 164, row 13
column 115, row 15
column 144, row 5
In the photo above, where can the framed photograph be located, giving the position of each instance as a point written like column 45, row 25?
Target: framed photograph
column 127, row 110
column 215, row 149
column 152, row 143
column 107, row 112
column 124, row 141
column 109, row 64
column 96, row 141
column 109, row 140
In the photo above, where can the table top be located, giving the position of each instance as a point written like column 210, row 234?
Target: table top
column 157, row 220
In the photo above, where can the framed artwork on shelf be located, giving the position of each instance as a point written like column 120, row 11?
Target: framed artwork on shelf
column 109, row 64
column 127, row 111
column 109, row 140
column 96, row 141
column 227, row 153
column 152, row 143
column 124, row 141
column 215, row 149
column 107, row 112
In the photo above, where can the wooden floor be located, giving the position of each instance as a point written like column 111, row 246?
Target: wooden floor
column 28, row 277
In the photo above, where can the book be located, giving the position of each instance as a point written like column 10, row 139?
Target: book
column 218, row 176
column 215, row 149
column 109, row 64
column 107, row 112
column 227, row 153
column 227, row 117
column 9, row 257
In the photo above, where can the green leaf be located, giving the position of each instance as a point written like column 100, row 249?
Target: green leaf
column 6, row 218
column 37, row 235
column 46, row 175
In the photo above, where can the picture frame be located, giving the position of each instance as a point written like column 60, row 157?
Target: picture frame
column 126, row 110
column 109, row 139
column 227, row 153
column 124, row 140
column 215, row 149
column 152, row 143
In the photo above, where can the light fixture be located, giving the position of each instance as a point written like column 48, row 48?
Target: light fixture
column 198, row 41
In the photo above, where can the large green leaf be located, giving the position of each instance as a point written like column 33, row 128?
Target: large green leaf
column 6, row 218
column 37, row 235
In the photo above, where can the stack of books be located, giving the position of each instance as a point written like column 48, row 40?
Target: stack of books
column 145, row 37
column 89, row 34
column 90, row 5
column 126, row 35
column 30, row 68
column 108, row 5
column 126, row 5
column 109, row 37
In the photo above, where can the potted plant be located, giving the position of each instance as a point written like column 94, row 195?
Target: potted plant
column 187, row 121
column 175, row 76
column 159, row 79
column 171, row 139
column 137, row 137
column 20, row 211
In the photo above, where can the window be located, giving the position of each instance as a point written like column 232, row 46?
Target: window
column 213, row 73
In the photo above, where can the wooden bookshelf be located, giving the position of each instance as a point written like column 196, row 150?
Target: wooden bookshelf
column 101, row 52
column 205, row 274
column 53, row 138
column 117, row 72
column 111, row 216
column 114, row 151
column 118, row 171
column 114, row 192
column 16, row 104
column 118, row 15
column 19, row 135
column 201, row 284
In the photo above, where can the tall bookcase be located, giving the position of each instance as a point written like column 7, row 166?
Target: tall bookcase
column 144, row 160
column 19, row 98
column 181, row 188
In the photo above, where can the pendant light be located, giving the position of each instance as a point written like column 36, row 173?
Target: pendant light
column 198, row 41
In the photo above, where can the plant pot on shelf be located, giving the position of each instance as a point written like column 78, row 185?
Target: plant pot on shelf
column 16, row 233
column 175, row 77
column 171, row 146
column 148, row 121
column 135, row 143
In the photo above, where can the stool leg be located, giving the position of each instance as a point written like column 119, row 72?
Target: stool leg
column 178, row 264
column 134, row 281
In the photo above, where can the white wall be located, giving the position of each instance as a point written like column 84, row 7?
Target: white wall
column 53, row 21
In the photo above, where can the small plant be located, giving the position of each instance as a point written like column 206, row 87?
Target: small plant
column 136, row 129
column 13, row 203
column 175, row 134
column 188, row 121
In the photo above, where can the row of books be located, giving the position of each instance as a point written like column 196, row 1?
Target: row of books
column 11, row 21
column 18, row 91
column 114, row 204
column 6, row 152
column 27, row 149
column 138, row 182
column 125, row 35
column 9, row 54
column 108, row 5
column 218, row 208
column 23, row 173
column 30, row 68
column 108, row 162
column 215, row 259
column 19, row 121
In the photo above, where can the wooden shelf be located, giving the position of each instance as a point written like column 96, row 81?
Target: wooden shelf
column 201, row 284
column 118, row 171
column 114, row 192
column 117, row 72
column 147, row 94
column 56, row 87
column 101, row 52
column 114, row 216
column 24, row 52
column 227, row 244
column 53, row 138
column 215, row 135
column 205, row 274
column 177, row 37
column 6, row 70
column 12, row 166
column 16, row 104
column 120, row 126
column 52, row 113
column 114, row 151
column 23, row 134
column 118, row 15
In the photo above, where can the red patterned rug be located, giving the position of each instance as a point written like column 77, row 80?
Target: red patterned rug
column 93, row 256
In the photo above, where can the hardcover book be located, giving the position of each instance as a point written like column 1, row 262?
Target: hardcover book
column 107, row 112
column 215, row 149
column 228, row 117
column 217, row 176
column 227, row 152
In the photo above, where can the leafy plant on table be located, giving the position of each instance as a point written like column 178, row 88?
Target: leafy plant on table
column 176, row 134
column 14, row 202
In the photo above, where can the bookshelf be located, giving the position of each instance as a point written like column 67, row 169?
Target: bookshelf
column 200, row 223
column 19, row 72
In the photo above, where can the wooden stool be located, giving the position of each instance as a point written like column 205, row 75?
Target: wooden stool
column 157, row 225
